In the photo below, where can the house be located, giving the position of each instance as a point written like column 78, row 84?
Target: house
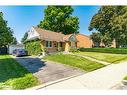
column 52, row 40
column 84, row 41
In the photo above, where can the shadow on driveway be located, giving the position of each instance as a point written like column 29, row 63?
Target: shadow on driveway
column 30, row 63
column 47, row 71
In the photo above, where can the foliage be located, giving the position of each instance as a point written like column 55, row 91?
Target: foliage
column 14, row 41
column 59, row 19
column 73, row 50
column 105, row 50
column 96, row 38
column 24, row 37
column 106, row 39
column 75, row 61
column 111, row 20
column 108, row 57
column 6, row 34
column 33, row 47
column 14, row 75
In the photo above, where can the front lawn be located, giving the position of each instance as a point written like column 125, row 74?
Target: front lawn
column 13, row 75
column 108, row 57
column 75, row 61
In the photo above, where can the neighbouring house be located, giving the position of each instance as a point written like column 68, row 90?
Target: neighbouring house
column 84, row 41
column 52, row 41
column 13, row 47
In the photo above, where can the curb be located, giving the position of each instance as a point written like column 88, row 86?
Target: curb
column 51, row 83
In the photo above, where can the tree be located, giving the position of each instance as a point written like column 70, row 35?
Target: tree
column 59, row 19
column 14, row 41
column 96, row 38
column 106, row 39
column 6, row 34
column 24, row 37
column 111, row 20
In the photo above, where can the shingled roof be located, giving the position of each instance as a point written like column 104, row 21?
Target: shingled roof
column 52, row 36
column 49, row 35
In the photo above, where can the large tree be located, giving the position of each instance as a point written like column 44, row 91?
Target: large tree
column 14, row 42
column 60, row 19
column 111, row 20
column 6, row 34
column 96, row 38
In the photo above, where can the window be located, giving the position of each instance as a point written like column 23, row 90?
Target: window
column 48, row 44
column 60, row 44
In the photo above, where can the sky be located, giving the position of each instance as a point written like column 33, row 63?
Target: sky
column 22, row 18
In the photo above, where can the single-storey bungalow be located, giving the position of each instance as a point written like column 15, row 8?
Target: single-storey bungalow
column 51, row 40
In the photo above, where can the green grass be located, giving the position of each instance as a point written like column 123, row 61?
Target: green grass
column 74, row 61
column 13, row 75
column 112, row 58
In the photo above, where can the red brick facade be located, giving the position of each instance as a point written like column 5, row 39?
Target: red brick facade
column 83, row 41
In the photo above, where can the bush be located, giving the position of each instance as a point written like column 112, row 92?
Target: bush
column 73, row 50
column 105, row 50
column 24, row 82
column 33, row 47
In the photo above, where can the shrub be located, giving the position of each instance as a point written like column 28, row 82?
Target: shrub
column 33, row 47
column 73, row 50
column 105, row 50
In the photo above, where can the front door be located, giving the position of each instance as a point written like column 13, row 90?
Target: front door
column 73, row 45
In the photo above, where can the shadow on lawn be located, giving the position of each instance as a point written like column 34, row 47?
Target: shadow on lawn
column 9, row 68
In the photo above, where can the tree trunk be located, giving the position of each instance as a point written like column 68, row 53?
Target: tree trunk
column 117, row 43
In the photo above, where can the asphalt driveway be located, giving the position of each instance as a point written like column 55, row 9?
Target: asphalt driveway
column 47, row 71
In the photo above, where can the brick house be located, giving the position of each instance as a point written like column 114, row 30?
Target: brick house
column 51, row 40
column 84, row 41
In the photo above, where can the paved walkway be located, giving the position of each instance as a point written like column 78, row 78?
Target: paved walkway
column 47, row 71
column 104, row 78
column 92, row 59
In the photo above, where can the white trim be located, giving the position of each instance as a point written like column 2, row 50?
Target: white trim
column 32, row 34
column 49, row 44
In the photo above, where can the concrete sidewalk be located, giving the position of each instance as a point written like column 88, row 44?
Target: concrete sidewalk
column 104, row 78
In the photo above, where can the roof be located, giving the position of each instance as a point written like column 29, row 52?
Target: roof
column 84, row 35
column 66, row 37
column 52, row 36
column 49, row 35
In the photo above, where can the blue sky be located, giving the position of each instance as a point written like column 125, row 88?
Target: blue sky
column 22, row 18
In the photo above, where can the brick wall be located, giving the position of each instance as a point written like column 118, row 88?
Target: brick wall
column 83, row 41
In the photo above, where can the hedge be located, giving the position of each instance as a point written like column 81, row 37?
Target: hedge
column 105, row 50
column 33, row 47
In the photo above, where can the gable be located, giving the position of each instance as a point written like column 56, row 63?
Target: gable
column 73, row 38
column 32, row 34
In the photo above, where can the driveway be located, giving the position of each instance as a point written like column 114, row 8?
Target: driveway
column 47, row 71
column 108, row 77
